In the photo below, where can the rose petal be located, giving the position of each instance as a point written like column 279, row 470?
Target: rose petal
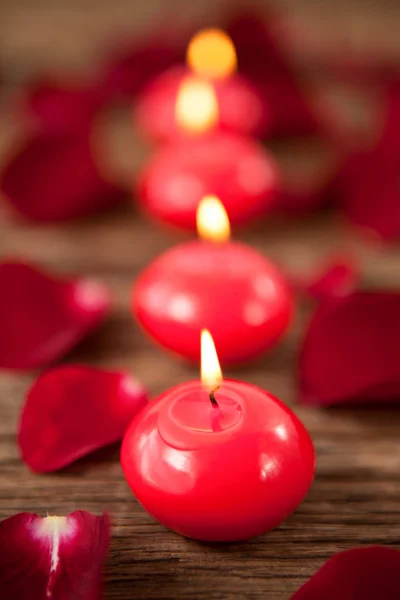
column 134, row 65
column 59, row 109
column 337, row 278
column 389, row 142
column 370, row 192
column 262, row 61
column 56, row 178
column 300, row 202
column 74, row 410
column 55, row 558
column 351, row 350
column 41, row 317
column 358, row 574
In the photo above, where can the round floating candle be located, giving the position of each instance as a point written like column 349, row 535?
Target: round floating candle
column 235, row 168
column 224, row 286
column 207, row 94
column 218, row 460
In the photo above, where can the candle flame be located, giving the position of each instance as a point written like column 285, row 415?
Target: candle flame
column 211, row 53
column 196, row 106
column 211, row 374
column 212, row 220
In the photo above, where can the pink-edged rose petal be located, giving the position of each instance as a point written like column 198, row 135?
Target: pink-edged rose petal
column 371, row 573
column 369, row 192
column 55, row 178
column 351, row 350
column 73, row 410
column 137, row 62
column 339, row 277
column 61, row 109
column 43, row 317
column 53, row 558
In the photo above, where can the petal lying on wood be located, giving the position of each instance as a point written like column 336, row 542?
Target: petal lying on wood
column 356, row 574
column 73, row 410
column 369, row 193
column 59, row 108
column 337, row 278
column 43, row 317
column 351, row 350
column 54, row 558
column 57, row 178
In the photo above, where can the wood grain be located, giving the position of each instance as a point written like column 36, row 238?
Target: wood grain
column 355, row 497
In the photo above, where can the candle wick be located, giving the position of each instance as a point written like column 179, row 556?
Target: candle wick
column 212, row 397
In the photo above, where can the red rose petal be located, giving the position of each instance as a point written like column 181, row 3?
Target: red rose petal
column 131, row 68
column 41, row 317
column 338, row 278
column 351, row 350
column 389, row 142
column 74, row 410
column 358, row 574
column 61, row 109
column 261, row 60
column 54, row 558
column 56, row 178
column 370, row 192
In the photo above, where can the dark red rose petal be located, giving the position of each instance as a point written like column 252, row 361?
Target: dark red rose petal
column 338, row 278
column 134, row 65
column 358, row 574
column 59, row 109
column 41, row 317
column 370, row 192
column 54, row 558
column 74, row 410
column 56, row 178
column 351, row 351
column 261, row 60
column 389, row 142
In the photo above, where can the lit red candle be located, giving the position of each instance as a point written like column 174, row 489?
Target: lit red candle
column 218, row 460
column 209, row 88
column 235, row 168
column 225, row 286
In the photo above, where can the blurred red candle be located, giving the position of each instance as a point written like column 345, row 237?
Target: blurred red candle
column 208, row 88
column 235, row 168
column 224, row 286
column 218, row 461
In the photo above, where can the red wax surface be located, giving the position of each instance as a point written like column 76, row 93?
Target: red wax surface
column 218, row 474
column 230, row 289
column 241, row 108
column 235, row 168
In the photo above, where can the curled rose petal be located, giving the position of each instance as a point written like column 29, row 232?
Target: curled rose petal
column 54, row 558
column 134, row 65
column 369, row 192
column 42, row 317
column 74, row 410
column 56, row 178
column 357, row 574
column 337, row 278
column 61, row 109
column 350, row 353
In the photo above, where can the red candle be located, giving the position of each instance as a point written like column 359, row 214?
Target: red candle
column 226, row 287
column 208, row 90
column 235, row 168
column 218, row 461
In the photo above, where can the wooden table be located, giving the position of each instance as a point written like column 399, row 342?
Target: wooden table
column 355, row 497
